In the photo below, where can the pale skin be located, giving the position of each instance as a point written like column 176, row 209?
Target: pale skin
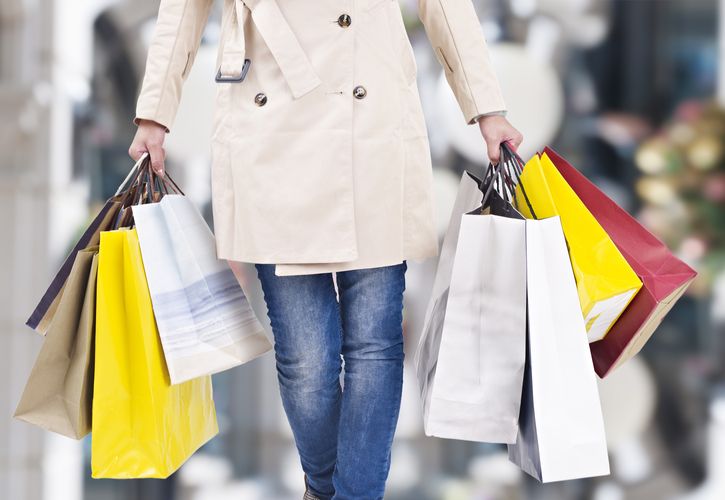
column 150, row 136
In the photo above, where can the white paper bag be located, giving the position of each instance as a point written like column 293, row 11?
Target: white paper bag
column 471, row 356
column 429, row 342
column 561, row 429
column 205, row 322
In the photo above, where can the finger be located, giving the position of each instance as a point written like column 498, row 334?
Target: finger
column 494, row 152
column 135, row 152
column 157, row 158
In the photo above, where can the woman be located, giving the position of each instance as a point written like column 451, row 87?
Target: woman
column 321, row 177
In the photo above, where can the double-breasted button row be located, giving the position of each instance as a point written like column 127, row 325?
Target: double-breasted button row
column 344, row 20
column 359, row 92
column 260, row 99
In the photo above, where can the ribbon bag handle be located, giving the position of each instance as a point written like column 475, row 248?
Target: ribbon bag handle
column 516, row 168
column 504, row 177
column 499, row 177
column 133, row 174
column 146, row 187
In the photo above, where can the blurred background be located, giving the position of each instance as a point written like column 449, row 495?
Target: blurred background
column 632, row 92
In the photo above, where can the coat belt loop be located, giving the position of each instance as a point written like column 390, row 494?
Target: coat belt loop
column 231, row 68
column 281, row 41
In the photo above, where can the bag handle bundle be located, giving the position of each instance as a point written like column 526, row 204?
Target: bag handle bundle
column 505, row 176
column 142, row 185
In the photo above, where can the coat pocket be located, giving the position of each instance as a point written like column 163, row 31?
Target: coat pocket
column 441, row 56
column 187, row 66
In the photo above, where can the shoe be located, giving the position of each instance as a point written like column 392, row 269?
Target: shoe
column 308, row 495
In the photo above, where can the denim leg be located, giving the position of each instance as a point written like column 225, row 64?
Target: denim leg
column 305, row 319
column 371, row 302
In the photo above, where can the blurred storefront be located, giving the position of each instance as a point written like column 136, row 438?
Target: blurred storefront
column 631, row 91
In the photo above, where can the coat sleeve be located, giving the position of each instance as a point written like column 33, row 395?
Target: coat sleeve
column 455, row 33
column 174, row 44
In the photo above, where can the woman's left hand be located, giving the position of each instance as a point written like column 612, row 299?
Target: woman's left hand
column 495, row 130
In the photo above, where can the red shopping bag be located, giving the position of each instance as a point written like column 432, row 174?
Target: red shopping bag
column 665, row 277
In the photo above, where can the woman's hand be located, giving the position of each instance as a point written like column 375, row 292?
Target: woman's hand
column 495, row 130
column 149, row 137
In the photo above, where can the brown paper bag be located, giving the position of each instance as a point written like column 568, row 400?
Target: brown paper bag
column 41, row 317
column 58, row 394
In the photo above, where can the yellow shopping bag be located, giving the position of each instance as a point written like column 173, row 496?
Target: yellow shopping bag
column 605, row 281
column 141, row 425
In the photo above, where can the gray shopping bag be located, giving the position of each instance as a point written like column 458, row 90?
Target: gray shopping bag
column 205, row 321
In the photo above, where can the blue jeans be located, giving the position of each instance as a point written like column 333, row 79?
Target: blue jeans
column 343, row 437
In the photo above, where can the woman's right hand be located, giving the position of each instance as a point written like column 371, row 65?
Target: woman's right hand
column 149, row 137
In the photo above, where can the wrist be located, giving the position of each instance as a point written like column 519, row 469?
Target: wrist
column 145, row 122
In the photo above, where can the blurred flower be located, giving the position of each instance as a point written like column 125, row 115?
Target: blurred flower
column 656, row 190
column 657, row 156
column 683, row 186
column 681, row 134
column 705, row 153
column 688, row 111
column 714, row 189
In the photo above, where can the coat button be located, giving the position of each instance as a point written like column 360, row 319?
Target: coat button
column 260, row 99
column 359, row 92
column 344, row 20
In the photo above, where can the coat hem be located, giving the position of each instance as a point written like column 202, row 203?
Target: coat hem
column 287, row 259
column 288, row 269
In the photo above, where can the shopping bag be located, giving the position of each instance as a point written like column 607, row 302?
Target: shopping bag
column 204, row 319
column 561, row 430
column 606, row 283
column 470, row 357
column 142, row 426
column 41, row 317
column 58, row 394
column 426, row 353
column 665, row 277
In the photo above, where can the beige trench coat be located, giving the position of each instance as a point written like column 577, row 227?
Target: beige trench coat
column 320, row 154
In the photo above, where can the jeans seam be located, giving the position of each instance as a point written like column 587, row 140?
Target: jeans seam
column 338, row 304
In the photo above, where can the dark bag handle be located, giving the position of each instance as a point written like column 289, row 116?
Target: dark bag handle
column 142, row 186
column 516, row 168
column 504, row 176
column 133, row 174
